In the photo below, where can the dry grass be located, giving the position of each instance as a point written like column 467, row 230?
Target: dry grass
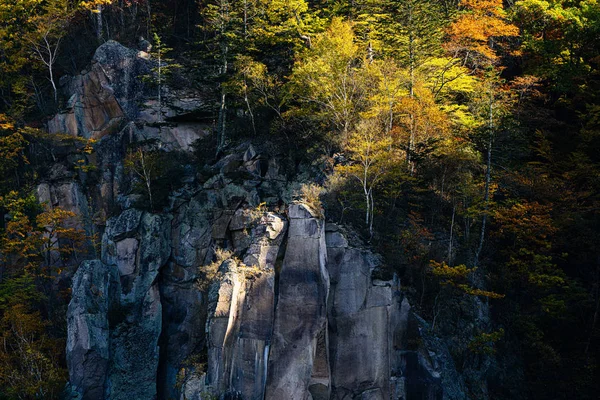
column 211, row 271
column 310, row 194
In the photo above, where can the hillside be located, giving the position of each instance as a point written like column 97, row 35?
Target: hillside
column 297, row 199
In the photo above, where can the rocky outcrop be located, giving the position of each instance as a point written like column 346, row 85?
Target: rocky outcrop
column 362, row 356
column 94, row 294
column 137, row 322
column 299, row 316
column 241, row 312
column 101, row 99
column 298, row 356
column 233, row 290
column 116, row 313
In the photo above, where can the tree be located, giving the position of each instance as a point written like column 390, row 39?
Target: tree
column 370, row 155
column 409, row 32
column 388, row 87
column 96, row 7
column 29, row 246
column 478, row 31
column 254, row 77
column 146, row 165
column 29, row 361
column 45, row 43
column 493, row 104
column 163, row 69
column 12, row 155
column 30, row 31
column 328, row 78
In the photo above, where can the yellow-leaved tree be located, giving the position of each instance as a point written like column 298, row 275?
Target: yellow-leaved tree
column 371, row 155
column 479, row 30
column 328, row 79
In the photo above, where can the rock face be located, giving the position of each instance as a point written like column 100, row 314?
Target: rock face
column 298, row 317
column 116, row 312
column 94, row 293
column 233, row 291
column 102, row 98
column 298, row 357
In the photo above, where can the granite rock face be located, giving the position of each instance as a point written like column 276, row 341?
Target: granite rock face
column 101, row 99
column 233, row 290
column 298, row 356
column 95, row 289
column 299, row 316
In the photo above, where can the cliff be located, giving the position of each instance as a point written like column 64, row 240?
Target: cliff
column 235, row 289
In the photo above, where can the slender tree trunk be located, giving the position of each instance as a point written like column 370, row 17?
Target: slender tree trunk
column 224, row 53
column 451, row 234
column 372, row 213
column 411, row 94
column 249, row 108
column 148, row 18
column 51, row 73
column 245, row 19
column 159, row 52
column 368, row 204
column 122, row 14
column 147, row 178
column 99, row 27
column 488, row 178
column 221, row 123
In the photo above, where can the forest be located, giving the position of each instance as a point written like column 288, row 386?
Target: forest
column 459, row 139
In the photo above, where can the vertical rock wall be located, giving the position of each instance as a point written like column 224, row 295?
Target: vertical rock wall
column 298, row 317
column 301, row 312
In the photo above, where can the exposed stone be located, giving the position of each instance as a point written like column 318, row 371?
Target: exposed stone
column 250, row 154
column 221, row 325
column 300, row 316
column 126, row 256
column 336, row 239
column 95, row 290
column 300, row 211
column 361, row 332
column 125, row 225
column 103, row 97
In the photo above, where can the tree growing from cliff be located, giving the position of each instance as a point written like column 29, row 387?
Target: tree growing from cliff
column 370, row 152
column 156, row 173
column 45, row 40
column 145, row 164
column 161, row 72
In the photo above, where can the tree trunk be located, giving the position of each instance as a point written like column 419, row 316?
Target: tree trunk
column 51, row 72
column 159, row 82
column 221, row 123
column 99, row 27
column 249, row 108
column 372, row 213
column 451, row 234
column 488, row 178
column 148, row 18
column 411, row 94
column 147, row 178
